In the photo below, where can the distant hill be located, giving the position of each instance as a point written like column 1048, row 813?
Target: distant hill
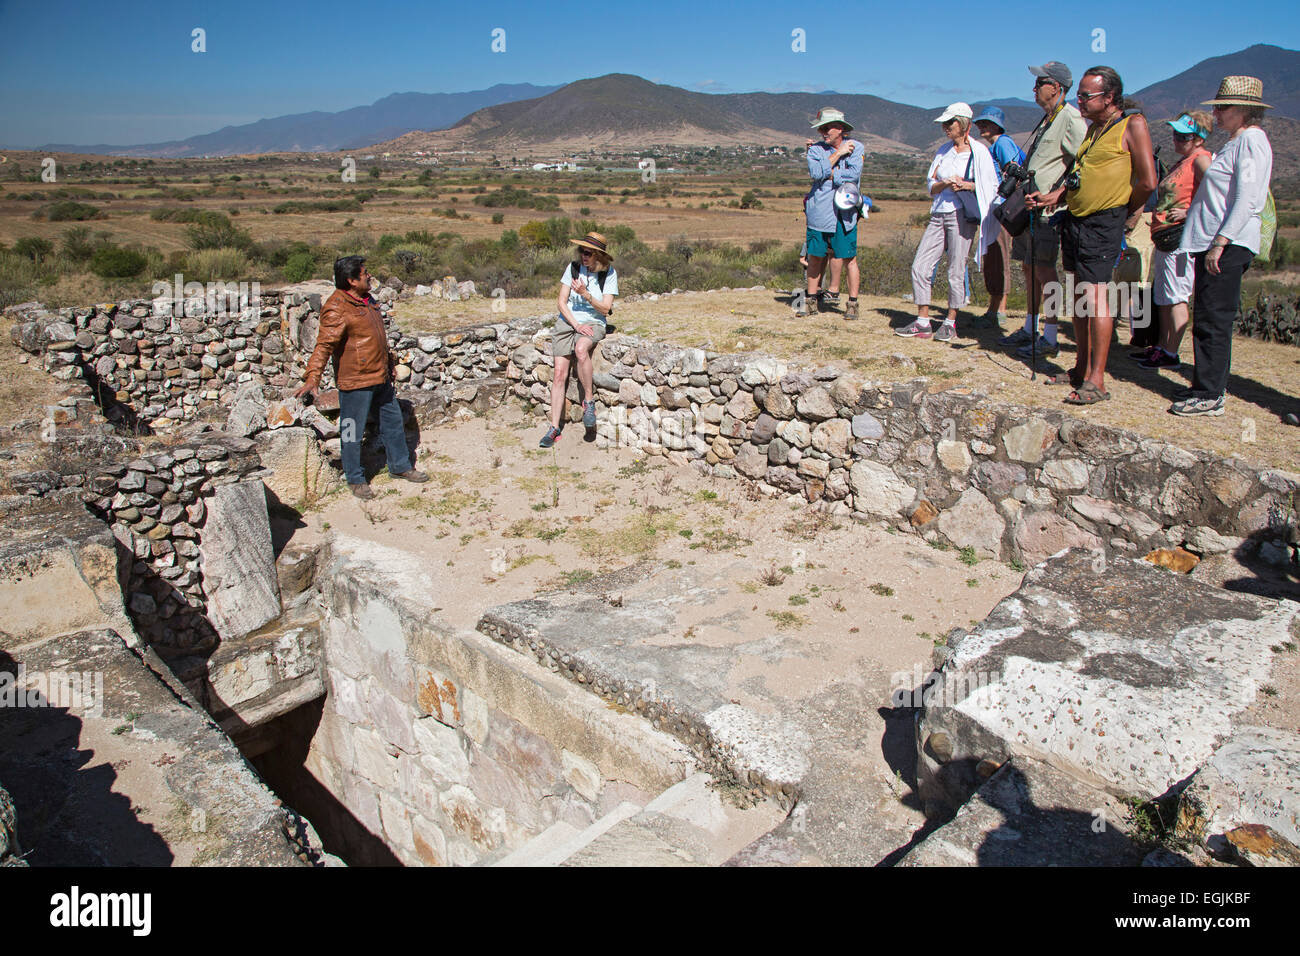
column 913, row 125
column 1278, row 68
column 323, row 132
column 622, row 111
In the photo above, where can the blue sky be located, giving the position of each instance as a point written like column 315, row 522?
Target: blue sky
column 124, row 72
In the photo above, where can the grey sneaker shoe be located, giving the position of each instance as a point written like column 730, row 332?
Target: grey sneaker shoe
column 1198, row 406
column 1044, row 349
column 552, row 435
column 829, row 302
column 1018, row 337
column 589, row 415
column 946, row 332
column 917, row 330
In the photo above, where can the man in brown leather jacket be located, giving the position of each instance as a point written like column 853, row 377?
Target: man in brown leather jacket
column 352, row 333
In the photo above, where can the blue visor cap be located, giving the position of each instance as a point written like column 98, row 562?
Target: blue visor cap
column 993, row 115
column 1185, row 124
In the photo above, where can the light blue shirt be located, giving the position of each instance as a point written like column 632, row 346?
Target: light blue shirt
column 583, row 313
column 819, row 204
column 1005, row 151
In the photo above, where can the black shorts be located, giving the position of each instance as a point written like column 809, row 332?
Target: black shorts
column 1090, row 246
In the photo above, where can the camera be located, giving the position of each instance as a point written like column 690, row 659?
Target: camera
column 1013, row 175
column 1072, row 180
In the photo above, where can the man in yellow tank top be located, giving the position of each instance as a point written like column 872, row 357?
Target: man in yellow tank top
column 1114, row 175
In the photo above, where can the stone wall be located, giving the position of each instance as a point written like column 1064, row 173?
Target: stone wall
column 1007, row 481
column 451, row 749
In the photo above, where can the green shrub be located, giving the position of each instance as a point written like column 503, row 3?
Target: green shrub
column 114, row 262
column 77, row 245
column 68, row 211
column 212, row 265
column 300, row 267
column 33, row 247
column 212, row 230
column 498, row 218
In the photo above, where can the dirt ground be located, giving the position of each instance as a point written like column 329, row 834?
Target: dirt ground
column 1264, row 385
column 491, row 513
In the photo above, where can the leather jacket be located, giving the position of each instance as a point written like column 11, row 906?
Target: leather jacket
column 352, row 333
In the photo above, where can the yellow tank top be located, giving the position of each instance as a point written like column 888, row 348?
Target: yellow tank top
column 1105, row 171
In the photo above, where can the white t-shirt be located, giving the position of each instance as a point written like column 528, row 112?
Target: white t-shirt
column 580, row 307
column 950, row 164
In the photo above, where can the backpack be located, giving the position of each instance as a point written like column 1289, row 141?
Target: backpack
column 601, row 276
column 1267, row 229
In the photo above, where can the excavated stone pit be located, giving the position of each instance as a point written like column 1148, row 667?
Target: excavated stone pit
column 710, row 635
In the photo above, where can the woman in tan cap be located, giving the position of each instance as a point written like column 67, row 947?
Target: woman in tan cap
column 586, row 299
column 1223, row 235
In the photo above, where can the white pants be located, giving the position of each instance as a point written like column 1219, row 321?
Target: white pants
column 946, row 232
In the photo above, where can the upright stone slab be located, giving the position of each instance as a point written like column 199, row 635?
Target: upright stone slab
column 1118, row 673
column 238, row 560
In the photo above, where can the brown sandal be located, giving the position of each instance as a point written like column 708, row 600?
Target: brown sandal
column 1086, row 394
column 1073, row 378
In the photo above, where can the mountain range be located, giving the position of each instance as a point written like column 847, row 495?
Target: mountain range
column 319, row 131
column 621, row 110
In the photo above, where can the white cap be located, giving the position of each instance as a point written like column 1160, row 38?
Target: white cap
column 954, row 110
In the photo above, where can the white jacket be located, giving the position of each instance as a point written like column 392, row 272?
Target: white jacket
column 986, row 190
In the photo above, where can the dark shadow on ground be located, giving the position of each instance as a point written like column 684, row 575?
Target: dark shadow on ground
column 68, row 813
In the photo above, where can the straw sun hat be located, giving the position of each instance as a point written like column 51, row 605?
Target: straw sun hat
column 1240, row 91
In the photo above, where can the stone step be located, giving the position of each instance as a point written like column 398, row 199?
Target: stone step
column 561, row 840
column 689, row 824
column 541, row 846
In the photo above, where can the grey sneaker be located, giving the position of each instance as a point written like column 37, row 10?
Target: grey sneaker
column 1198, row 406
column 946, row 332
column 1018, row 337
column 589, row 415
column 830, row 302
column 549, row 439
column 1044, row 349
column 917, row 330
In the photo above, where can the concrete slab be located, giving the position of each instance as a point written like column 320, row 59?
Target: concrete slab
column 1120, row 674
column 823, row 741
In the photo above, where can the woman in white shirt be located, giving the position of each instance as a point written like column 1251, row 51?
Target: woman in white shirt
column 963, row 182
column 586, row 299
column 1223, row 235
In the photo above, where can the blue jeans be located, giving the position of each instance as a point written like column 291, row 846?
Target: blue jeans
column 354, row 407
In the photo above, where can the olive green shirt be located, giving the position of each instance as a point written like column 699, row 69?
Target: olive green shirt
column 1059, row 144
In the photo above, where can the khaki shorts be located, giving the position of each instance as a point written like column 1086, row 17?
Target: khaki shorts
column 1047, row 244
column 564, row 338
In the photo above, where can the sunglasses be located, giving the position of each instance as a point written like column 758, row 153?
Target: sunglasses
column 1044, row 81
column 1085, row 97
column 586, row 252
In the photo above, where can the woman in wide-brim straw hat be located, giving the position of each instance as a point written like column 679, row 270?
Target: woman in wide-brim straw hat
column 586, row 299
column 1223, row 235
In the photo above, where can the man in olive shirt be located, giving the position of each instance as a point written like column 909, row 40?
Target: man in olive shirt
column 1048, row 155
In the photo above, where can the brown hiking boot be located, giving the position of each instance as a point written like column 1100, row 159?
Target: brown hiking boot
column 851, row 310
column 362, row 491
column 412, row 474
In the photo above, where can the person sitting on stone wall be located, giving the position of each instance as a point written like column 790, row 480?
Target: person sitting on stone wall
column 586, row 299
